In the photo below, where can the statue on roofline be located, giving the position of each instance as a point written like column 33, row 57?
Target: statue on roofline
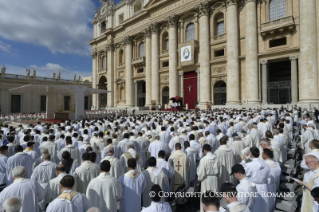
column 3, row 69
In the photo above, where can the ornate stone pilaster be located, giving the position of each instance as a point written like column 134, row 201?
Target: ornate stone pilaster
column 154, row 29
column 181, row 75
column 110, row 47
column 308, row 81
column 127, row 40
column 203, row 8
column 198, row 84
column 129, row 71
column 110, row 73
column 251, row 61
column 148, row 66
column 172, row 32
column 294, row 79
column 146, row 32
column 264, row 81
column 230, row 2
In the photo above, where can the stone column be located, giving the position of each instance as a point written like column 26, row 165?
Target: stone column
column 79, row 103
column 4, row 101
column 155, row 63
column 94, row 76
column 198, row 84
column 173, row 80
column 294, row 79
column 135, row 93
column 308, row 52
column 232, row 53
column 204, row 90
column 251, row 53
column 110, row 74
column 182, row 84
column 148, row 67
column 129, row 74
column 264, row 81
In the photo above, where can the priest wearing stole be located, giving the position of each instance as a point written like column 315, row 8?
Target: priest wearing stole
column 117, row 169
column 208, row 171
column 181, row 164
column 104, row 191
column 69, row 200
column 133, row 184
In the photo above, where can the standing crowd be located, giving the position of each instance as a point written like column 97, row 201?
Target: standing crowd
column 126, row 163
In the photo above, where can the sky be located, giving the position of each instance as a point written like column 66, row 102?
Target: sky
column 48, row 36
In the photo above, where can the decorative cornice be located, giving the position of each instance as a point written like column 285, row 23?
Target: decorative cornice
column 203, row 8
column 110, row 47
column 146, row 32
column 154, row 28
column 171, row 21
column 264, row 62
column 230, row 2
column 293, row 57
column 127, row 41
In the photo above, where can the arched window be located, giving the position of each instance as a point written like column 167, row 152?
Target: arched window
column 277, row 9
column 142, row 50
column 121, row 59
column 103, row 62
column 190, row 32
column 166, row 44
column 219, row 23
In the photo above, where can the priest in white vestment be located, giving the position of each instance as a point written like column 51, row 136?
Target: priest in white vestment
column 117, row 169
column 192, row 155
column 229, row 194
column 104, row 191
column 255, row 135
column 85, row 173
column 30, row 191
column 123, row 145
column 156, row 146
column 274, row 178
column 226, row 159
column 30, row 151
column 19, row 159
column 208, row 171
column 238, row 146
column 181, row 164
column 247, row 139
column 308, row 136
column 74, row 151
column 131, row 153
column 153, row 175
column 133, row 184
column 69, row 200
column 3, row 166
column 258, row 172
column 157, row 204
column 52, row 148
column 246, row 189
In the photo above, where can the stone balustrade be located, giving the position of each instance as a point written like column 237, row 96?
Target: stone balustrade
column 278, row 25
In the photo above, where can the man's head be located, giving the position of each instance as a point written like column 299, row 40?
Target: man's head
column 59, row 169
column 315, row 144
column 210, row 201
column 19, row 172
column 152, row 162
column 156, row 190
column 18, row 148
column 86, row 157
column 238, row 171
column 264, row 143
column 191, row 137
column 186, row 144
column 105, row 166
column 4, row 150
column 44, row 151
column 222, row 141
column 46, row 157
column 67, row 183
column 178, row 146
column 30, row 145
column 229, row 192
column 315, row 194
column 312, row 162
column 207, row 148
column 10, row 139
column 131, row 163
column 254, row 152
column 267, row 154
column 110, row 151
column 161, row 154
column 13, row 204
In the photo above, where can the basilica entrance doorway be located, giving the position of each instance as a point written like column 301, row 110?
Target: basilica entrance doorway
column 220, row 93
column 165, row 95
column 279, row 83
column 103, row 96
column 141, row 93
column 190, row 89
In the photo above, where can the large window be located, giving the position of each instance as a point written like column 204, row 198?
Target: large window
column 103, row 62
column 277, row 9
column 43, row 103
column 166, row 44
column 190, row 32
column 142, row 50
column 15, row 103
column 121, row 56
column 67, row 100
column 220, row 28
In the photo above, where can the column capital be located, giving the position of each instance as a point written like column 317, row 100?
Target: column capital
column 264, row 62
column 171, row 21
column 110, row 47
column 154, row 28
column 181, row 74
column 146, row 32
column 203, row 8
column 230, row 2
column 94, row 54
column 246, row 1
column 127, row 40
column 293, row 57
column 197, row 71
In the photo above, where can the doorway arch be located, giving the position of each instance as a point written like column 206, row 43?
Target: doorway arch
column 220, row 93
